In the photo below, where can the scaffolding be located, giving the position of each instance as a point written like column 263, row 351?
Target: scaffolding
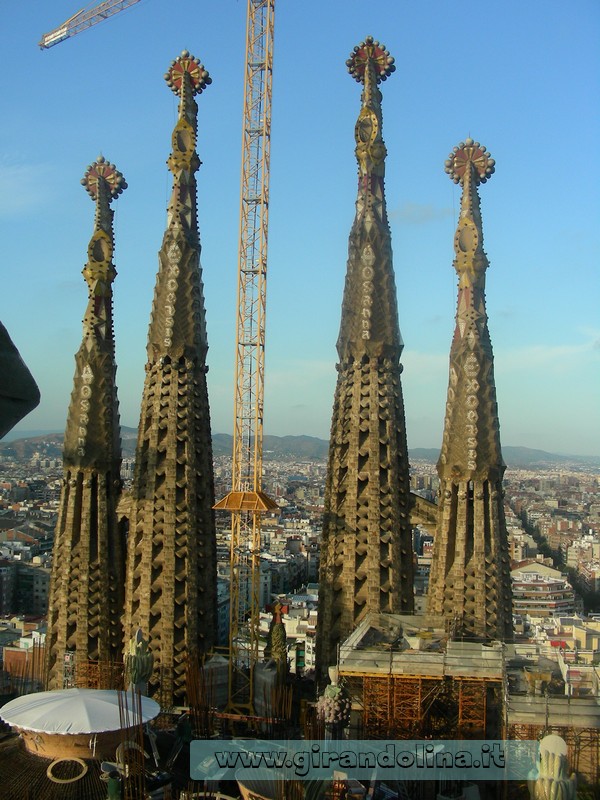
column 472, row 708
column 583, row 746
column 407, row 681
column 574, row 719
column 95, row 674
column 418, row 706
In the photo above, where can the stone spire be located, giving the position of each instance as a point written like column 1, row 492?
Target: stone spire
column 88, row 572
column 366, row 546
column 171, row 566
column 470, row 578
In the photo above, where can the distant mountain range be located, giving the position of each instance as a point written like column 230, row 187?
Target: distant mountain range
column 308, row 448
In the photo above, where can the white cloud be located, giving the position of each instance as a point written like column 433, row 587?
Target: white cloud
column 424, row 368
column 556, row 359
column 418, row 214
column 23, row 187
column 299, row 374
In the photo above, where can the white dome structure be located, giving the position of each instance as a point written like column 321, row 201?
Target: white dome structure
column 71, row 711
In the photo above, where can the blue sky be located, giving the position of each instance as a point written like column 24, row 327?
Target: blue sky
column 523, row 78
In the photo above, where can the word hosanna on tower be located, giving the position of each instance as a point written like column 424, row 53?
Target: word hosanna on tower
column 146, row 559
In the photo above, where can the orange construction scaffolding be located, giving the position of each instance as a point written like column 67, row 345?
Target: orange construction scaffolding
column 98, row 675
column 583, row 746
column 417, row 706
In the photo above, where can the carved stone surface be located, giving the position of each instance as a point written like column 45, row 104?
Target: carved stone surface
column 366, row 546
column 470, row 578
column 88, row 565
column 171, row 560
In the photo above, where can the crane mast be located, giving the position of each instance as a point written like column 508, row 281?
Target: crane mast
column 247, row 502
column 84, row 19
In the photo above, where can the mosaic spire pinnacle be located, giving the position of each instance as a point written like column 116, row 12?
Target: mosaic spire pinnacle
column 369, row 312
column 470, row 579
column 103, row 182
column 171, row 567
column 177, row 325
column 86, row 593
column 186, row 78
column 472, row 435
column 370, row 64
column 366, row 549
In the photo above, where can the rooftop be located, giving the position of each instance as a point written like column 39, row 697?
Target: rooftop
column 395, row 644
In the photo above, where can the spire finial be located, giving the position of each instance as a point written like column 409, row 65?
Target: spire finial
column 187, row 64
column 103, row 170
column 103, row 182
column 469, row 152
column 186, row 77
column 370, row 52
column 470, row 164
column 369, row 64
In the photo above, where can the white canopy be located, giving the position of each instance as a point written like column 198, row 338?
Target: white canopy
column 75, row 711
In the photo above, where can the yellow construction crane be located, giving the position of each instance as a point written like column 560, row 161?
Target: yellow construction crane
column 246, row 501
column 84, row 19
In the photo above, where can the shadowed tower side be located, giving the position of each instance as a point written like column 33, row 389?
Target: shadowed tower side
column 470, row 578
column 171, row 567
column 88, row 564
column 366, row 545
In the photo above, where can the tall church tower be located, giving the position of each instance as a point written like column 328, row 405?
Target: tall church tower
column 88, row 564
column 171, row 566
column 366, row 545
column 470, row 577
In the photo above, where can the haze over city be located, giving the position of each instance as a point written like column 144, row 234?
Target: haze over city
column 529, row 91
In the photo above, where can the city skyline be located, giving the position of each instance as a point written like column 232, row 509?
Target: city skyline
column 517, row 88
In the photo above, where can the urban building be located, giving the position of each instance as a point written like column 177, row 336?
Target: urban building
column 541, row 591
column 8, row 580
column 32, row 588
